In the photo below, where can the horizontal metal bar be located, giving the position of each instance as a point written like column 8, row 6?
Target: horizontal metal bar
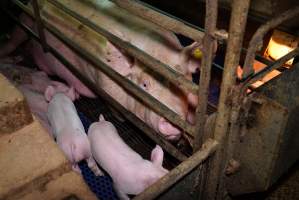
column 154, row 64
column 257, row 39
column 171, row 75
column 166, row 21
column 129, row 86
column 275, row 65
column 127, row 114
column 208, row 148
column 159, row 19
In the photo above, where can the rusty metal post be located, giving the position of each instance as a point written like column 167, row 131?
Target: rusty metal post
column 179, row 172
column 214, row 188
column 40, row 26
column 257, row 40
column 205, row 71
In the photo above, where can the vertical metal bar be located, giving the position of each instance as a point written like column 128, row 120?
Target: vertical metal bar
column 40, row 26
column 215, row 185
column 205, row 71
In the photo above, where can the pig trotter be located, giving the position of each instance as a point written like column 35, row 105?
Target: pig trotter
column 76, row 168
column 94, row 167
column 121, row 195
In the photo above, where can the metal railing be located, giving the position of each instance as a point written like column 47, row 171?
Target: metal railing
column 227, row 108
column 192, row 162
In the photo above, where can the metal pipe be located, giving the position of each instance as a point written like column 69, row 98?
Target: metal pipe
column 154, row 64
column 40, row 26
column 209, row 147
column 159, row 19
column 257, row 40
column 205, row 72
column 215, row 185
column 130, row 116
column 274, row 65
column 149, row 13
column 129, row 86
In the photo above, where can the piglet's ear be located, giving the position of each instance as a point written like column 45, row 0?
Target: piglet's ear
column 157, row 156
column 101, row 118
column 49, row 93
column 71, row 93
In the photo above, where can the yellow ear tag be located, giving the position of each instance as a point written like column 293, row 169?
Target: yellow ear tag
column 197, row 53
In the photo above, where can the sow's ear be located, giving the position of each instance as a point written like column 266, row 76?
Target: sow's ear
column 49, row 93
column 71, row 94
column 101, row 118
column 192, row 56
column 157, row 155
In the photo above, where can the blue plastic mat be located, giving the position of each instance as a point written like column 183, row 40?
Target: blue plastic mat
column 101, row 185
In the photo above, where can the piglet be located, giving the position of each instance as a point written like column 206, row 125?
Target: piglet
column 40, row 81
column 131, row 173
column 68, row 129
column 38, row 105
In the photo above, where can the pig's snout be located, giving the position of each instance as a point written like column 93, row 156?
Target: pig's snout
column 168, row 130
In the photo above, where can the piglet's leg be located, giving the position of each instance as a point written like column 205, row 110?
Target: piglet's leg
column 76, row 168
column 121, row 195
column 94, row 167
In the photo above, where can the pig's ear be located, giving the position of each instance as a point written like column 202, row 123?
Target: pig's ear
column 101, row 118
column 71, row 93
column 77, row 95
column 49, row 93
column 192, row 56
column 157, row 156
column 129, row 76
column 189, row 63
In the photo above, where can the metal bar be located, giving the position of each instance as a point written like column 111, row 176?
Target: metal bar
column 154, row 64
column 147, row 12
column 40, row 26
column 215, row 185
column 257, row 40
column 129, row 86
column 209, row 147
column 130, row 116
column 159, row 19
column 274, row 65
column 205, row 72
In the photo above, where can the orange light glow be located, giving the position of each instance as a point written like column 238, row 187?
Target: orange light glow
column 257, row 66
column 280, row 44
